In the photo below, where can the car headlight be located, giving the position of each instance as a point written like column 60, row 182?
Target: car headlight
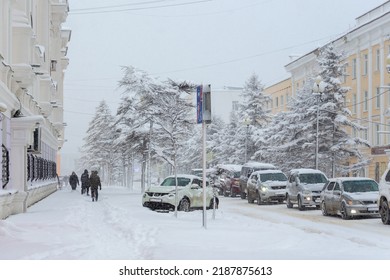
column 307, row 192
column 263, row 188
column 354, row 202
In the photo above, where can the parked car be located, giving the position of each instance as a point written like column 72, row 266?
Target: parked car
column 267, row 186
column 247, row 170
column 229, row 179
column 350, row 197
column 304, row 188
column 384, row 197
column 189, row 191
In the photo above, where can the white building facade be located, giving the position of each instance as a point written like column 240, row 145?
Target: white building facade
column 33, row 49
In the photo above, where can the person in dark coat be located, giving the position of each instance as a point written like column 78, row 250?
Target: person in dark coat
column 74, row 180
column 94, row 180
column 85, row 184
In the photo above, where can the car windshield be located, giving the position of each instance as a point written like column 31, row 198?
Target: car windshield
column 170, row 181
column 312, row 178
column 272, row 177
column 237, row 174
column 360, row 186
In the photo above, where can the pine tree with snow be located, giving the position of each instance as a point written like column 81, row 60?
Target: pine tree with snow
column 254, row 113
column 339, row 151
column 101, row 133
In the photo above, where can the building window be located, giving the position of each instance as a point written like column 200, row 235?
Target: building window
column 282, row 100
column 235, row 106
column 378, row 60
column 5, row 165
column 378, row 97
column 377, row 140
column 354, row 68
column 277, row 102
column 354, row 103
column 365, row 64
column 365, row 134
column 365, row 101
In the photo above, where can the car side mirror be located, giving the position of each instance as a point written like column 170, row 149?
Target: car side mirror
column 195, row 186
column 337, row 192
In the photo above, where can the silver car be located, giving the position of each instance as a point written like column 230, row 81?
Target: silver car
column 266, row 186
column 350, row 197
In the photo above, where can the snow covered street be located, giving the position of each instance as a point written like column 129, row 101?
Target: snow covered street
column 69, row 226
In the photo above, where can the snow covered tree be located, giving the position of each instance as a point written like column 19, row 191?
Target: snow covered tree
column 338, row 149
column 100, row 153
column 159, row 115
column 290, row 139
column 254, row 113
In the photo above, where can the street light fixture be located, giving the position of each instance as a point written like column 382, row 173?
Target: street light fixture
column 318, row 88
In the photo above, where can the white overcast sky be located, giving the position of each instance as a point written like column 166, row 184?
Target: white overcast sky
column 220, row 42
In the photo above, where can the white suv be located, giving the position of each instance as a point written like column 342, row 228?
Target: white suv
column 304, row 188
column 266, row 186
column 189, row 190
column 384, row 197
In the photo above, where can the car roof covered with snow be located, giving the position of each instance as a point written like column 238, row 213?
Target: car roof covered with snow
column 230, row 167
column 255, row 164
column 305, row 171
column 267, row 171
column 350, row 179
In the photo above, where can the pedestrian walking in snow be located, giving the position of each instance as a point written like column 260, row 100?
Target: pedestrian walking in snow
column 95, row 183
column 74, row 180
column 85, row 183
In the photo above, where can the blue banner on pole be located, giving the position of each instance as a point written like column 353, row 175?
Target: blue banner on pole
column 199, row 104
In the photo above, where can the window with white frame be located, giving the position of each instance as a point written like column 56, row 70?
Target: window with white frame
column 281, row 100
column 235, row 106
column 365, row 104
column 365, row 64
column 377, row 60
column 378, row 97
column 354, row 68
column 377, row 133
column 354, row 103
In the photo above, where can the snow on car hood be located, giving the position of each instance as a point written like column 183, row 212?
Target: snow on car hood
column 363, row 195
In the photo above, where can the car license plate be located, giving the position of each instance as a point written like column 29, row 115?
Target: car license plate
column 280, row 193
column 152, row 199
column 372, row 209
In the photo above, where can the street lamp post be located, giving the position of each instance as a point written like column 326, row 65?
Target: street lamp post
column 318, row 88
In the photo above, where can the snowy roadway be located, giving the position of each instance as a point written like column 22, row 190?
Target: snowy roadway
column 69, row 226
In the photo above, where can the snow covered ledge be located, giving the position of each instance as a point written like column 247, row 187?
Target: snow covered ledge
column 6, row 203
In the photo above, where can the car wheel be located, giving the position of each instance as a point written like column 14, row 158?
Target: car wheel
column 259, row 202
column 385, row 212
column 323, row 209
column 184, row 205
column 344, row 212
column 301, row 207
column 288, row 202
column 225, row 193
column 232, row 193
column 243, row 195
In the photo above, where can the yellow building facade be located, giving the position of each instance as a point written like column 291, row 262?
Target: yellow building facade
column 367, row 47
